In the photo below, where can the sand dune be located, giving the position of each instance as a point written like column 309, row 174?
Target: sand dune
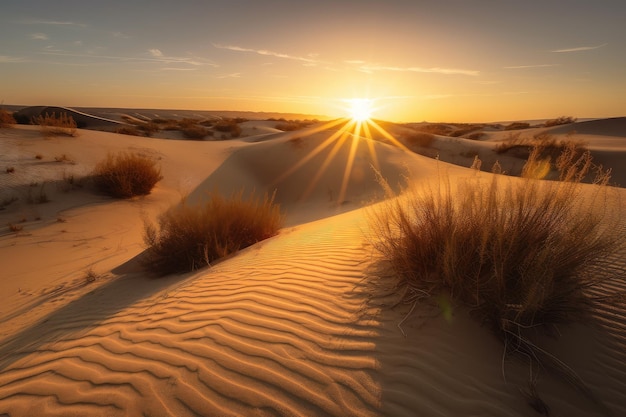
column 291, row 326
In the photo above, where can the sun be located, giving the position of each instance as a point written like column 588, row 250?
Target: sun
column 360, row 109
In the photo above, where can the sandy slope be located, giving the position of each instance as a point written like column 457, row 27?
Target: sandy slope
column 291, row 326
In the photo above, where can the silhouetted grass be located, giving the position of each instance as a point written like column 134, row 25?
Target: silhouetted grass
column 190, row 237
column 520, row 253
column 52, row 125
column 126, row 175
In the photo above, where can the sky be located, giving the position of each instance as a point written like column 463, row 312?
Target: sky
column 435, row 60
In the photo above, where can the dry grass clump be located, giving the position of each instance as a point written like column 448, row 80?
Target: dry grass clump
column 228, row 126
column 125, row 175
column 6, row 119
column 520, row 253
column 129, row 130
column 196, row 132
column 547, row 146
column 190, row 237
column 53, row 125
column 561, row 120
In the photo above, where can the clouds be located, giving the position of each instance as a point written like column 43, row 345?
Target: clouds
column 39, row 36
column 155, row 52
column 580, row 48
column 360, row 65
column 370, row 68
column 265, row 52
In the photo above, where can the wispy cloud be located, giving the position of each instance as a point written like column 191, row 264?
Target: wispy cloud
column 531, row 66
column 155, row 52
column 580, row 48
column 5, row 59
column 53, row 22
column 233, row 75
column 39, row 36
column 265, row 52
column 178, row 69
column 195, row 61
column 370, row 68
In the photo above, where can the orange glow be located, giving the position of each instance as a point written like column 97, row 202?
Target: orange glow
column 360, row 109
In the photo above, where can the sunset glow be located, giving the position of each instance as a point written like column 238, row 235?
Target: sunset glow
column 360, row 109
column 421, row 60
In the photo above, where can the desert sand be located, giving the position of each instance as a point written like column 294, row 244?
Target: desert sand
column 291, row 326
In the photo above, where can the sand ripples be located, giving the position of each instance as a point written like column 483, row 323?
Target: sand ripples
column 269, row 332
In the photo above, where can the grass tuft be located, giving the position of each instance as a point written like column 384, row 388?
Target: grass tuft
column 520, row 253
column 6, row 119
column 125, row 175
column 190, row 237
column 52, row 125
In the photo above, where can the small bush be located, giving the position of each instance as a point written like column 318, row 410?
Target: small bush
column 126, row 175
column 127, row 130
column 562, row 120
column 190, row 237
column 521, row 254
column 6, row 119
column 195, row 132
column 228, row 126
column 52, row 125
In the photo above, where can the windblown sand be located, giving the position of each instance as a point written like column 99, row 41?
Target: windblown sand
column 292, row 326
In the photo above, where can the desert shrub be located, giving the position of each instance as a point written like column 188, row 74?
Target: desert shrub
column 464, row 130
column 228, row 126
column 521, row 254
column 561, row 120
column 195, row 132
column 6, row 119
column 149, row 128
column 190, row 237
column 53, row 125
column 418, row 139
column 125, row 175
column 517, row 126
column 129, row 130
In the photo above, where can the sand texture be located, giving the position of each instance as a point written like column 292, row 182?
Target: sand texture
column 292, row 326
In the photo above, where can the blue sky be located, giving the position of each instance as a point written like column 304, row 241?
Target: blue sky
column 441, row 60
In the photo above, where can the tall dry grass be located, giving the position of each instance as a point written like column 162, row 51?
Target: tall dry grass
column 189, row 237
column 52, row 125
column 6, row 119
column 520, row 253
column 125, row 175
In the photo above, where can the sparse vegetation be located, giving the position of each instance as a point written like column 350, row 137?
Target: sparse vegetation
column 418, row 139
column 291, row 125
column 15, row 227
column 517, row 126
column 546, row 144
column 196, row 132
column 521, row 254
column 52, row 125
column 190, row 237
column 40, row 197
column 129, row 130
column 10, row 170
column 6, row 119
column 125, row 175
column 230, row 126
column 562, row 120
